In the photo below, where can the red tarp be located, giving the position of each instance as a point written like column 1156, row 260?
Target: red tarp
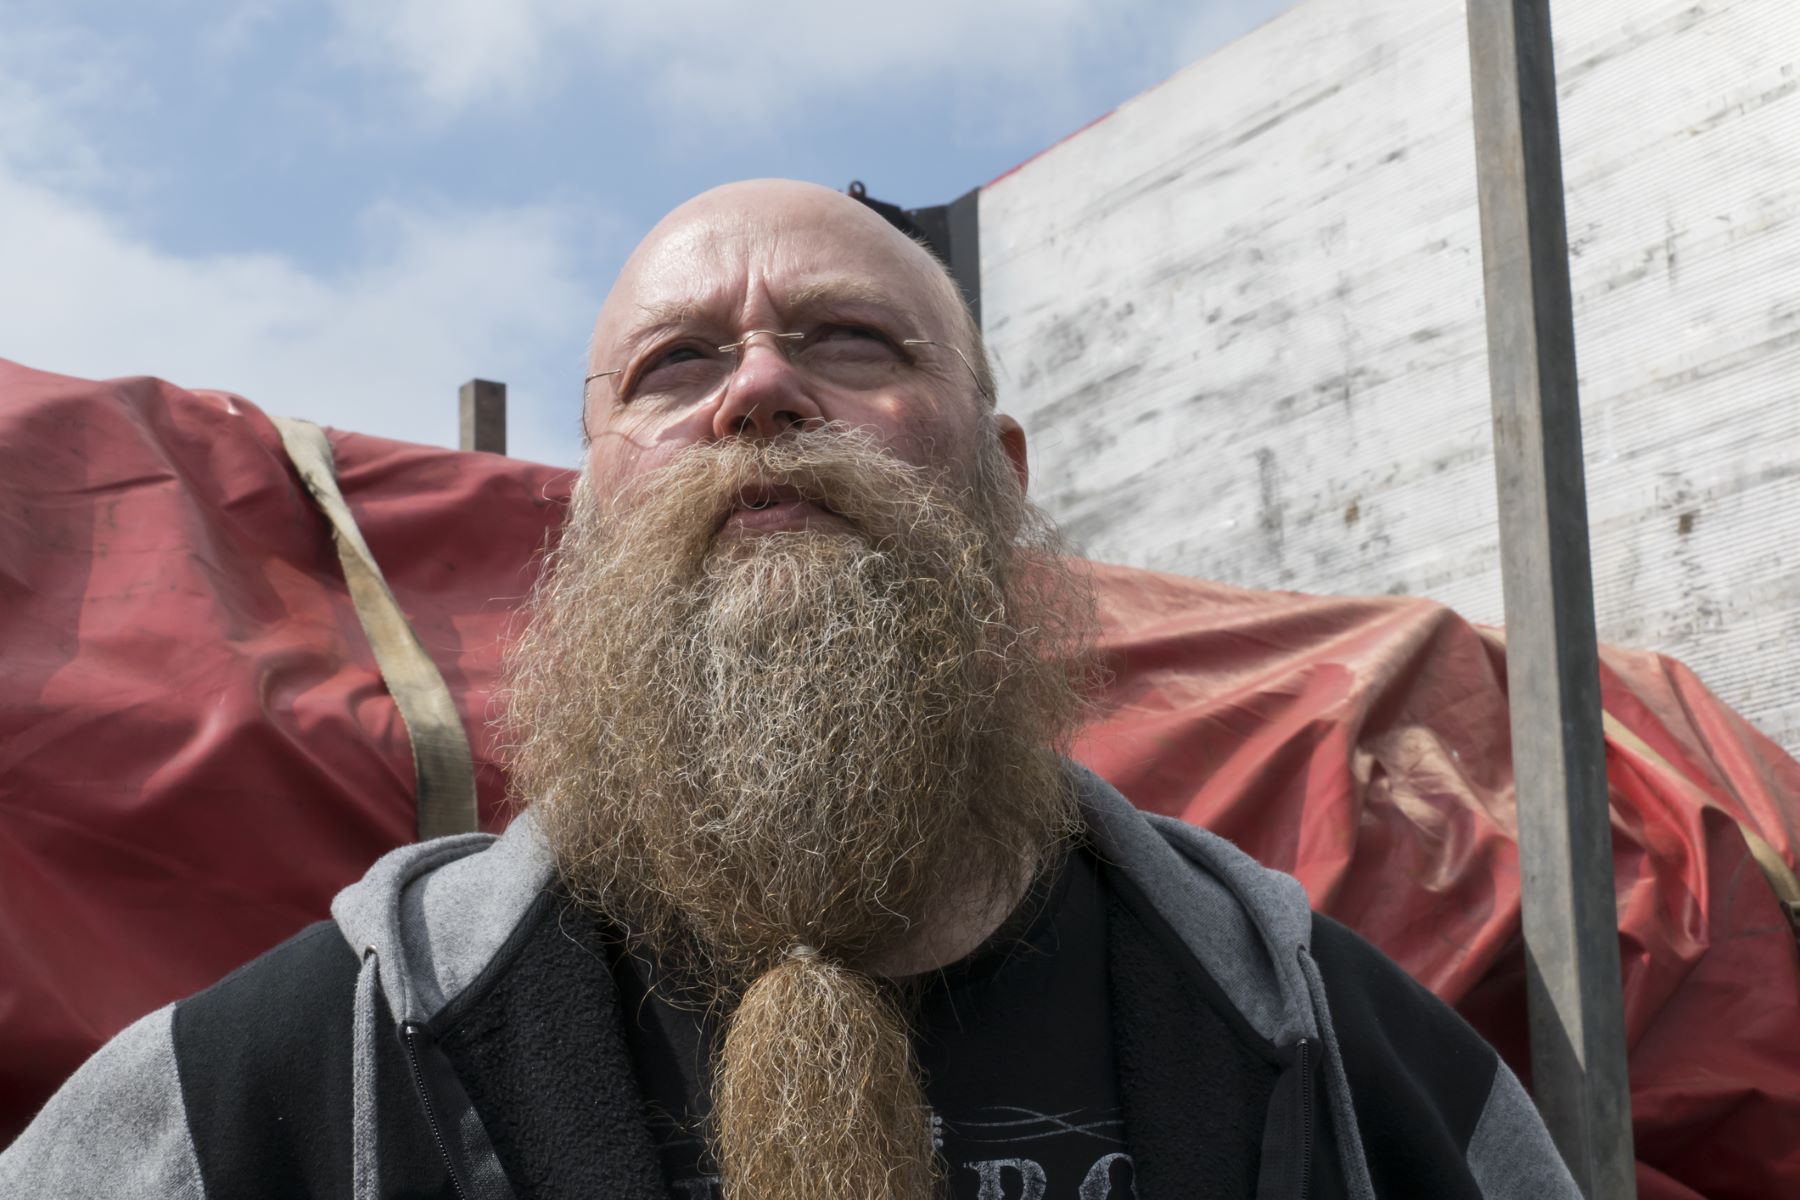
column 196, row 752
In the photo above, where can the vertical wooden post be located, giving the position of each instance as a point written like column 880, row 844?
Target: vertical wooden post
column 483, row 405
column 1553, row 673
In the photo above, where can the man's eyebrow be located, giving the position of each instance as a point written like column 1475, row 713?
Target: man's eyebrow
column 811, row 296
column 840, row 290
column 656, row 317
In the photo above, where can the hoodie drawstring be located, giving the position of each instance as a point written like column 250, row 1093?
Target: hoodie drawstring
column 1337, row 1088
column 365, row 1179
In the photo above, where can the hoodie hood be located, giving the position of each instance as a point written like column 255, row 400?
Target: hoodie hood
column 1242, row 921
column 1250, row 928
column 435, row 913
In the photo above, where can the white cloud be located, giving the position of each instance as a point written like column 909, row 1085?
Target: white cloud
column 455, row 53
column 231, row 31
column 433, row 294
column 437, row 298
column 737, row 65
column 50, row 77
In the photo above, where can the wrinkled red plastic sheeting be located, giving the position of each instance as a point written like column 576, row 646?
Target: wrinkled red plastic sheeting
column 1363, row 745
column 196, row 752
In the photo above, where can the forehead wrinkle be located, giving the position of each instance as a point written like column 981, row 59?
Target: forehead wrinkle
column 673, row 311
column 823, row 294
column 809, row 298
column 656, row 317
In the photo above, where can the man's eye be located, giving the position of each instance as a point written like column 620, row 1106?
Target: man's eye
column 674, row 371
column 674, row 356
column 855, row 343
column 848, row 333
column 677, row 361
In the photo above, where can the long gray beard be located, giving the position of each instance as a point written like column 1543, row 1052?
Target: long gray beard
column 810, row 738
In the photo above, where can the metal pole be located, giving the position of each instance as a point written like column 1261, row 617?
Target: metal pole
column 1553, row 673
column 483, row 409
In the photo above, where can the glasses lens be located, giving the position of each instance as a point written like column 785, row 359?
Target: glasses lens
column 849, row 357
column 840, row 356
column 678, row 376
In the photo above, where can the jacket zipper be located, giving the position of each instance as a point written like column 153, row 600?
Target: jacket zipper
column 1306, row 1116
column 412, row 1058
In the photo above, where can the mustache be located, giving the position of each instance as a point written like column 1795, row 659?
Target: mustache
column 841, row 469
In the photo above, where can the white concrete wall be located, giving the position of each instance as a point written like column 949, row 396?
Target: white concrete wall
column 1242, row 320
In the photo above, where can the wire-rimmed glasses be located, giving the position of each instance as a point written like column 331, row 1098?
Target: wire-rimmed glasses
column 691, row 371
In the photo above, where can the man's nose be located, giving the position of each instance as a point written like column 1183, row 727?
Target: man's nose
column 765, row 396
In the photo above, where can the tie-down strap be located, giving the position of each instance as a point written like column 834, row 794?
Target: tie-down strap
column 442, row 765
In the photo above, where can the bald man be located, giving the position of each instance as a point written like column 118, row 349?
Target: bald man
column 804, row 899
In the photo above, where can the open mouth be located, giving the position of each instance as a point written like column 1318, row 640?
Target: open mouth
column 757, row 497
column 776, row 507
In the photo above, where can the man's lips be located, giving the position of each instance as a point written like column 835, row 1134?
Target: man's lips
column 771, row 508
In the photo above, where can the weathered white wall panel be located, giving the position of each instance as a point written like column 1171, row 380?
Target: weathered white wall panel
column 1241, row 319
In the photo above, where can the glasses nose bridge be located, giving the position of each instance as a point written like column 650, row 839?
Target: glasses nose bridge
column 783, row 343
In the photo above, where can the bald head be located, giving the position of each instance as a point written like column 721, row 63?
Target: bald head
column 761, row 215
column 782, row 222
column 891, row 348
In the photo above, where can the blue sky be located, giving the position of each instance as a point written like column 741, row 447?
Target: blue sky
column 344, row 208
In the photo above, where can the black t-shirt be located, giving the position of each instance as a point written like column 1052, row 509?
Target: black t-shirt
column 1015, row 1042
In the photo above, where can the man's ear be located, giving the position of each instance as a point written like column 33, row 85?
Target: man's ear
column 1012, row 440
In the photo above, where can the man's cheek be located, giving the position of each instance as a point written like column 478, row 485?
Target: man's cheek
column 625, row 444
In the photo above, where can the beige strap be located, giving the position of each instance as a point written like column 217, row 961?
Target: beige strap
column 442, row 765
column 1781, row 877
